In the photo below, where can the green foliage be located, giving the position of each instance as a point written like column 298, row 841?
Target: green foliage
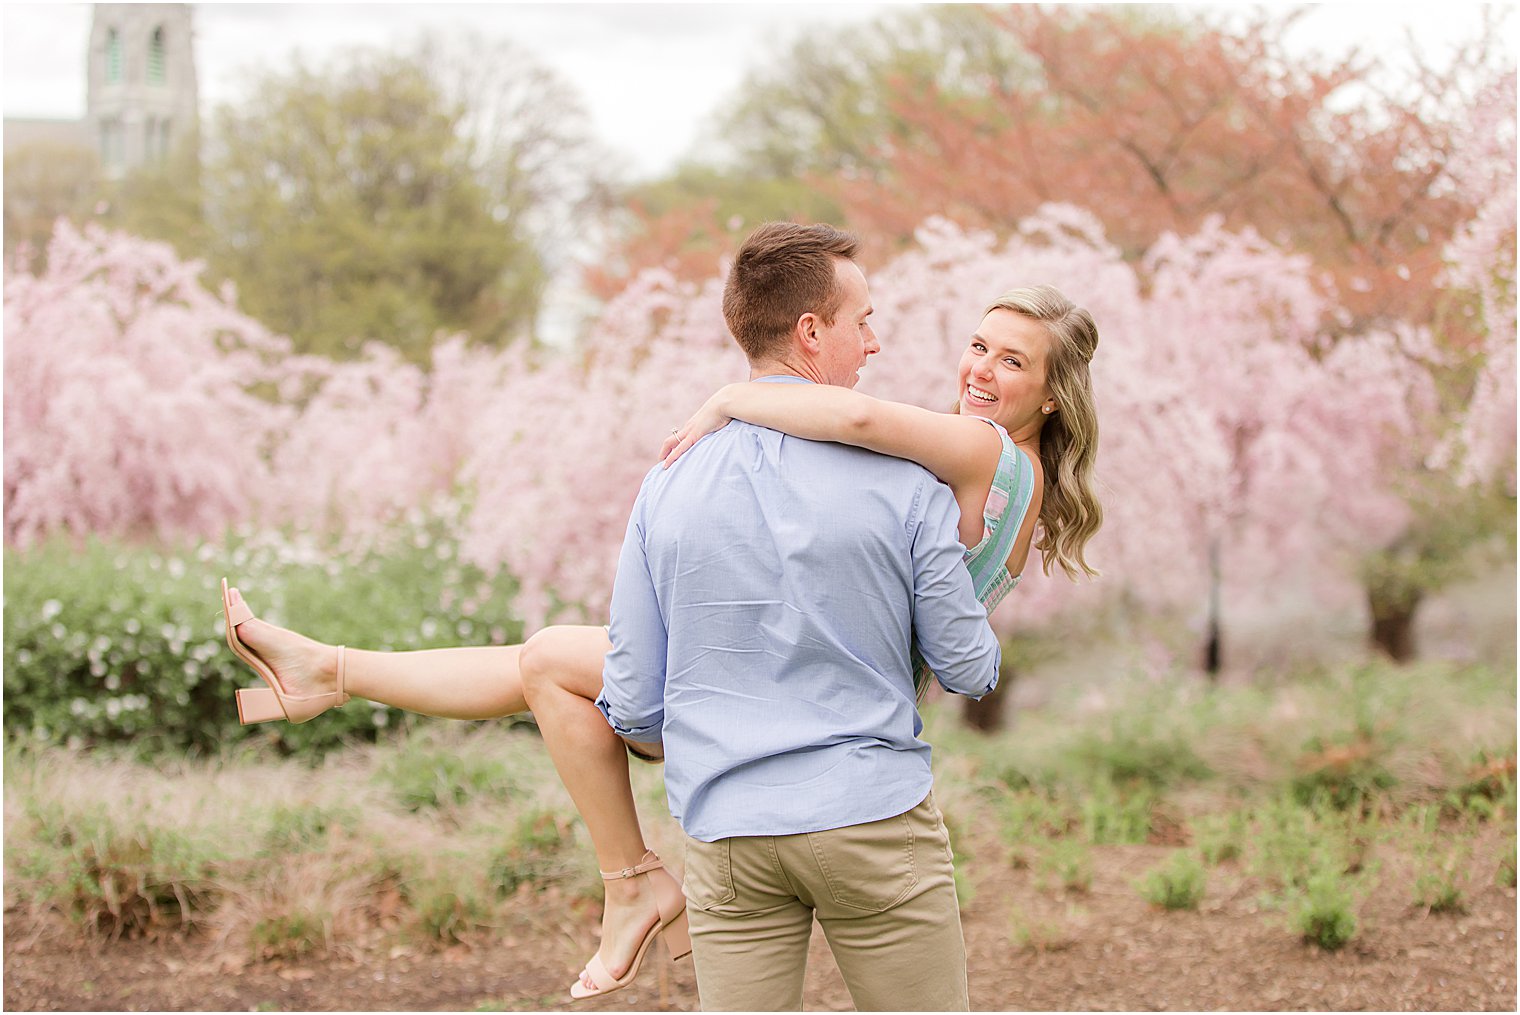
column 1114, row 815
column 1345, row 772
column 1029, row 819
column 1291, row 844
column 273, row 856
column 1142, row 743
column 739, row 200
column 1177, row 884
column 1457, row 529
column 425, row 777
column 290, row 935
column 1349, row 767
column 1440, row 861
column 447, row 906
column 1070, row 862
column 163, row 201
column 44, row 182
column 533, row 855
column 1323, row 911
column 1036, row 934
column 819, row 107
column 1221, row 837
column 110, row 874
column 305, row 826
column 1138, row 747
column 1489, row 791
column 387, row 195
column 112, row 642
column 352, row 213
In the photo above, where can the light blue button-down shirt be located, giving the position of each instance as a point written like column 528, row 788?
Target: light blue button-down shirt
column 766, row 597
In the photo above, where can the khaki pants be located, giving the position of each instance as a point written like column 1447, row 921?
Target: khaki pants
column 883, row 891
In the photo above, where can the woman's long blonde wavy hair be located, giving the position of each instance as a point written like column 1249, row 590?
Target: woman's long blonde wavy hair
column 1070, row 513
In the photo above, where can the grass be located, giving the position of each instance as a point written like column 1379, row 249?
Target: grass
column 1037, row 933
column 430, row 838
column 288, row 859
column 1323, row 911
column 1177, row 884
column 1070, row 863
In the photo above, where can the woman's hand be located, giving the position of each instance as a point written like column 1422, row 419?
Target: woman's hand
column 707, row 419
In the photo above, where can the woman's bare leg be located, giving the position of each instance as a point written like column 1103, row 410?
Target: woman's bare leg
column 562, row 676
column 454, row 683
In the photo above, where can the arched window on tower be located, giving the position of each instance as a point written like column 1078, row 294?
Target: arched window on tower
column 113, row 56
column 156, row 57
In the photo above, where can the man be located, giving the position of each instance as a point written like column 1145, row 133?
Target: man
column 765, row 601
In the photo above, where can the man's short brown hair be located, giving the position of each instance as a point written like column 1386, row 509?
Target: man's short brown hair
column 784, row 270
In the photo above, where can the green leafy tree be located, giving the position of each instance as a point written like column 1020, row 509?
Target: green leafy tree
column 819, row 110
column 390, row 197
column 161, row 200
column 43, row 183
column 825, row 105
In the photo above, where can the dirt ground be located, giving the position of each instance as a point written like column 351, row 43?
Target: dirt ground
column 1105, row 949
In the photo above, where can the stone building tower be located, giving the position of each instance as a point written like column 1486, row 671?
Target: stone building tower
column 140, row 95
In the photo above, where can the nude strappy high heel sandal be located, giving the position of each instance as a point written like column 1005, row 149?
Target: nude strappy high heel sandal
column 672, row 925
column 265, row 704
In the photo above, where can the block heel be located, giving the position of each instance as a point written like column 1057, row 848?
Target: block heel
column 258, row 704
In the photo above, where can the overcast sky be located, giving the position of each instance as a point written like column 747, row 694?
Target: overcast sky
column 650, row 74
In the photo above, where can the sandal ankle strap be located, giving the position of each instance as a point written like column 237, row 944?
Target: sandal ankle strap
column 342, row 666
column 654, row 863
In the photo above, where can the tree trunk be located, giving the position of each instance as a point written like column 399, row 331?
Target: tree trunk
column 1213, row 645
column 1393, row 621
column 986, row 716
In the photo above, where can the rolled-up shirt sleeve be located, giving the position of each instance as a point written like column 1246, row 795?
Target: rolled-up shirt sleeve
column 633, row 675
column 949, row 623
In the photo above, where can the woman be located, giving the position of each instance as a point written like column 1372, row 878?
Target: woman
column 1018, row 450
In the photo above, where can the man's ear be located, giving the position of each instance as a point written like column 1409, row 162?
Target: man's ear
column 806, row 332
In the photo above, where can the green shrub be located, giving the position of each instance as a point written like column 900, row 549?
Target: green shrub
column 1030, row 818
column 295, row 828
column 447, row 906
column 109, row 641
column 1177, row 884
column 1437, row 890
column 535, row 854
column 1489, row 790
column 1323, row 911
column 1344, row 771
column 1136, row 748
column 1221, row 837
column 1291, row 844
column 1112, row 815
column 1043, row 935
column 428, row 777
column 1440, row 861
column 1070, row 862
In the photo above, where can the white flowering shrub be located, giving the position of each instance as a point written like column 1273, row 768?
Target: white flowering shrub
column 111, row 641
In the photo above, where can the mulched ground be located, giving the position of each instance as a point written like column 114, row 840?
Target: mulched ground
column 1105, row 949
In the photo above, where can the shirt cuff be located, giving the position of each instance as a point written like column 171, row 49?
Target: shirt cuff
column 650, row 733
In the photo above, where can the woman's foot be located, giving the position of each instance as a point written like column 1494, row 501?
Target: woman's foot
column 303, row 667
column 631, row 909
column 632, row 894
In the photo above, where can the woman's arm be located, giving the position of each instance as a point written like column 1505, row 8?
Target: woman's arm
column 962, row 452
